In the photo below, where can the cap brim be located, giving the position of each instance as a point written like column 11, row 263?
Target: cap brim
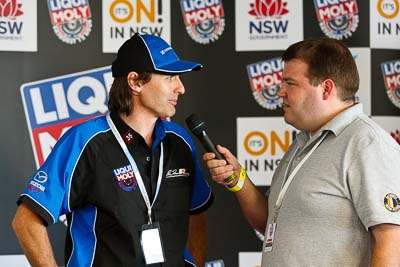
column 179, row 67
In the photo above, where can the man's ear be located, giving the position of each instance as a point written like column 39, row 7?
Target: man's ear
column 327, row 87
column 133, row 83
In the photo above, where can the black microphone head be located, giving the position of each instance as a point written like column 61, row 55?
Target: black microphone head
column 195, row 124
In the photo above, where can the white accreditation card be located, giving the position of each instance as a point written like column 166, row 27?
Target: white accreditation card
column 269, row 240
column 151, row 243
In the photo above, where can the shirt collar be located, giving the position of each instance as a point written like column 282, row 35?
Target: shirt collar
column 336, row 125
column 340, row 122
column 129, row 135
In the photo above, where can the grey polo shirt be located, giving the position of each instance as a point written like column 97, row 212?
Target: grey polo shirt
column 350, row 183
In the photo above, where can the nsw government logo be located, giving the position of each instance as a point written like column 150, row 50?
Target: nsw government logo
column 204, row 19
column 71, row 19
column 10, row 9
column 271, row 22
column 126, row 178
column 391, row 77
column 265, row 81
column 337, row 18
column 10, row 25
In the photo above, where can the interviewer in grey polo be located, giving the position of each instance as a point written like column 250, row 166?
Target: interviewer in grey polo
column 334, row 198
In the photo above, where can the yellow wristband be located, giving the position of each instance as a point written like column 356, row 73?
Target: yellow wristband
column 240, row 182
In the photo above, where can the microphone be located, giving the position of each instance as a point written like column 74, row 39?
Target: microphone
column 198, row 128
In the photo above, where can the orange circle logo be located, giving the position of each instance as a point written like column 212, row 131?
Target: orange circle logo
column 121, row 11
column 388, row 8
column 250, row 142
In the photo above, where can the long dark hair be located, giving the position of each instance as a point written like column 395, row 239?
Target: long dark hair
column 120, row 97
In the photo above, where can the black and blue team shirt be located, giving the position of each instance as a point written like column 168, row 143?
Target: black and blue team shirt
column 88, row 177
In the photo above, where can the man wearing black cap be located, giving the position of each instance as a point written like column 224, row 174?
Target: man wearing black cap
column 129, row 182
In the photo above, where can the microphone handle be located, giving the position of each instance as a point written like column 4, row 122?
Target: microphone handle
column 210, row 147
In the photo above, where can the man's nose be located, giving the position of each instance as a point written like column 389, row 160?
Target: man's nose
column 179, row 87
column 282, row 91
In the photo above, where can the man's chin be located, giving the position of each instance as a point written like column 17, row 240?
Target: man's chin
column 288, row 120
column 170, row 113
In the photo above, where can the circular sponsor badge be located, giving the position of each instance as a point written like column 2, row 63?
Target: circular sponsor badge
column 391, row 202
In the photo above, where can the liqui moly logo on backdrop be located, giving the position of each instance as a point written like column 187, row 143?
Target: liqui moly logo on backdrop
column 52, row 106
column 71, row 19
column 265, row 81
column 391, row 77
column 337, row 18
column 270, row 19
column 204, row 19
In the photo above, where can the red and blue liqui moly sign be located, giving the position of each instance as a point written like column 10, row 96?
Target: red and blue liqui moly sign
column 52, row 106
column 265, row 79
column 71, row 19
column 391, row 77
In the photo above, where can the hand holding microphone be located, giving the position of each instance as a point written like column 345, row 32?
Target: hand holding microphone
column 198, row 128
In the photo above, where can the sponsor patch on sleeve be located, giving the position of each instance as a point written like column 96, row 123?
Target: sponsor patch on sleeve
column 391, row 202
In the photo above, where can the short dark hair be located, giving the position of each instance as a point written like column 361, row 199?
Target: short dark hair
column 327, row 58
column 120, row 97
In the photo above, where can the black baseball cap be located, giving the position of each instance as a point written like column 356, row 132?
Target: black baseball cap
column 149, row 53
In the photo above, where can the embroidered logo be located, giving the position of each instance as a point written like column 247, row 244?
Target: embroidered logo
column 177, row 173
column 126, row 178
column 396, row 136
column 391, row 202
column 35, row 184
column 129, row 137
column 337, row 18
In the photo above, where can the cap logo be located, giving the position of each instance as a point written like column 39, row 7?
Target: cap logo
column 165, row 50
column 391, row 202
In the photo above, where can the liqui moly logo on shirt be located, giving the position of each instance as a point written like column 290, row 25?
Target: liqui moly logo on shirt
column 126, row 178
column 337, row 18
column 204, row 19
column 391, row 77
column 265, row 79
column 52, row 106
column 71, row 19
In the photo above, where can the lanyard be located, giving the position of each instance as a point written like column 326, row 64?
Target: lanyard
column 136, row 170
column 286, row 183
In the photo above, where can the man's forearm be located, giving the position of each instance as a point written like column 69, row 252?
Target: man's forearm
column 386, row 250
column 33, row 238
column 197, row 240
